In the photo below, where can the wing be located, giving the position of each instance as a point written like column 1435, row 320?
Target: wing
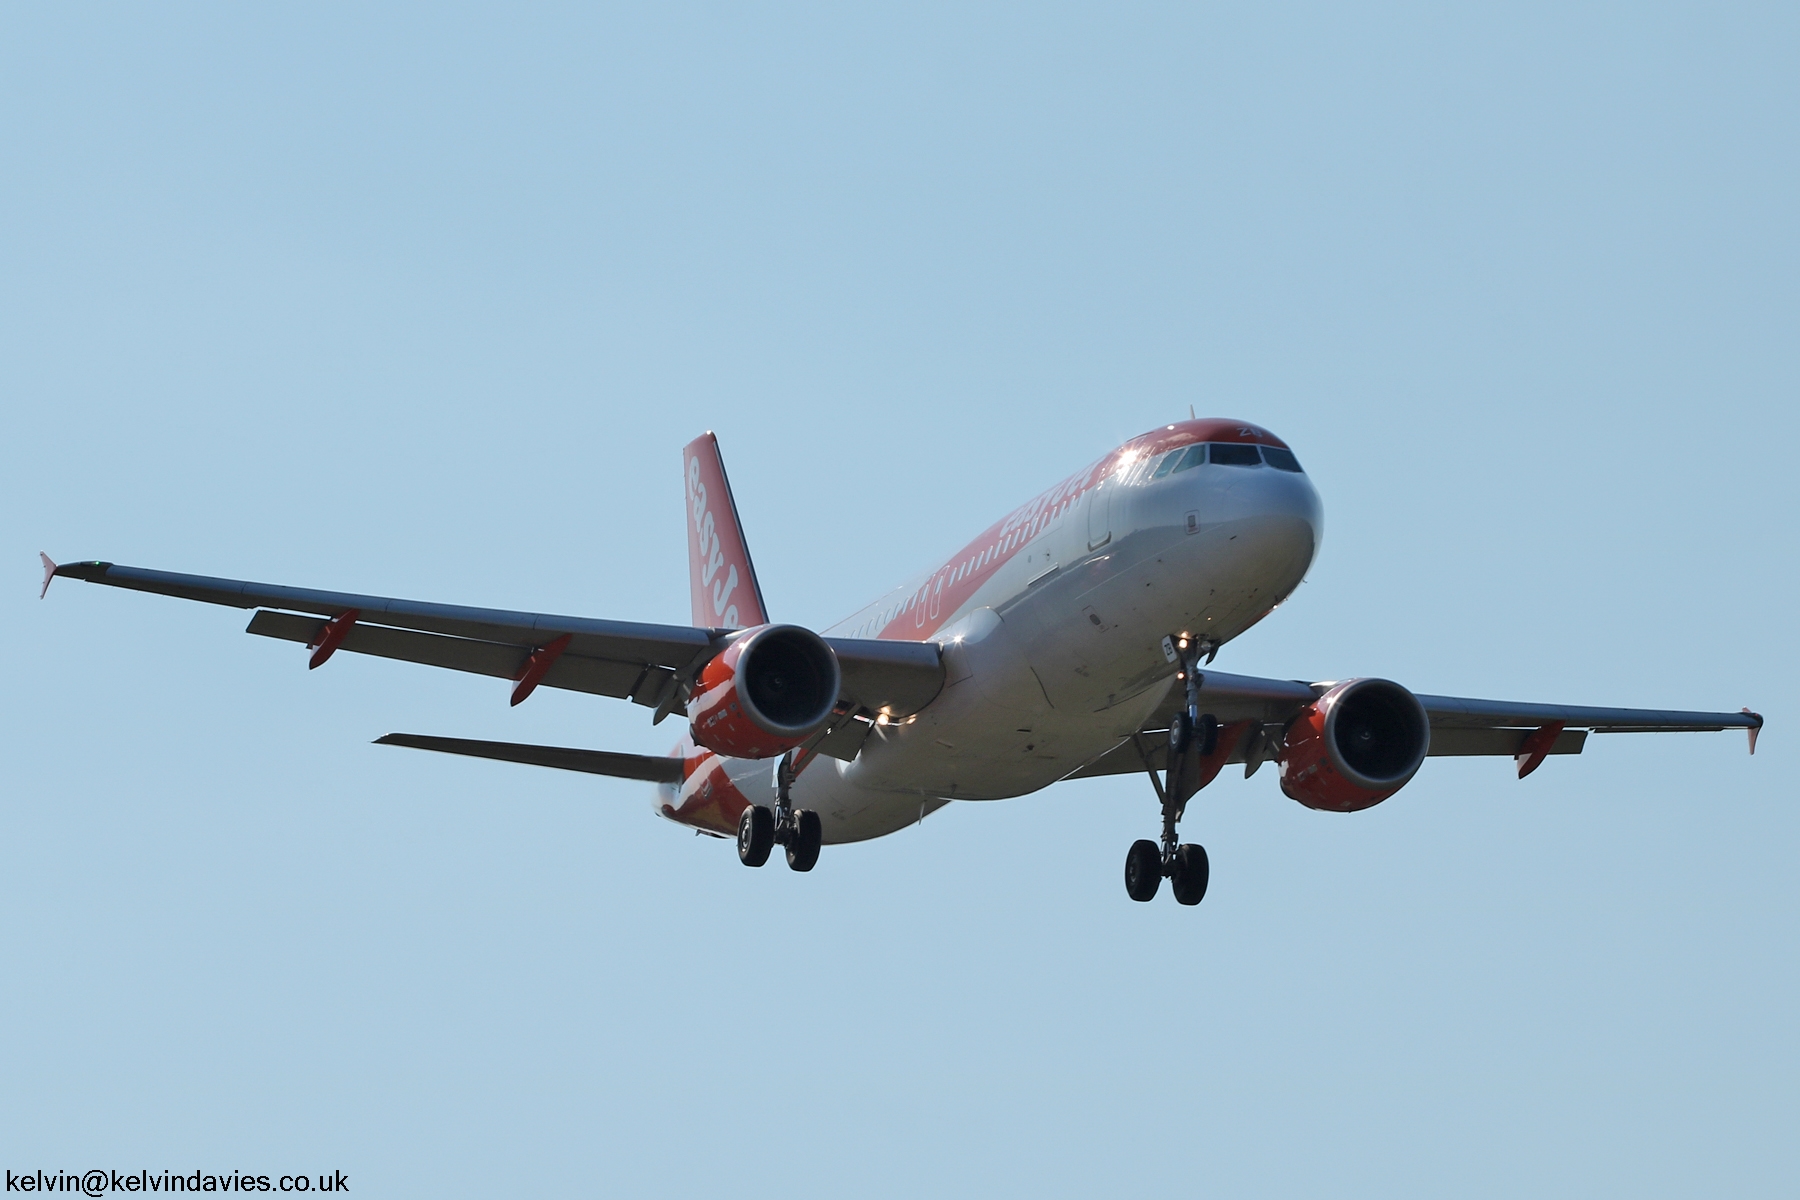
column 1459, row 726
column 652, row 665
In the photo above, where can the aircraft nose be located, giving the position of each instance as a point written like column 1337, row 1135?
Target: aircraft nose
column 1282, row 507
column 1292, row 495
column 1290, row 507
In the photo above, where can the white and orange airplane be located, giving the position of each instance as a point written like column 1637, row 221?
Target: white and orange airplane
column 1072, row 638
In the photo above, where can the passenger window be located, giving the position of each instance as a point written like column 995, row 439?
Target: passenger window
column 1235, row 455
column 1194, row 457
column 1281, row 460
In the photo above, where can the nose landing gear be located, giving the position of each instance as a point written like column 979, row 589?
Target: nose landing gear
column 1193, row 736
column 1200, row 733
column 760, row 828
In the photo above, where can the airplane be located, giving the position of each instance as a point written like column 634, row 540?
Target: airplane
column 1072, row 638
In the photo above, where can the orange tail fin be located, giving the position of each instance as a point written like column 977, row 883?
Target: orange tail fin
column 725, row 591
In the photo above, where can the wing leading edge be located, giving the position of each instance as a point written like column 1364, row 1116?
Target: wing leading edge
column 651, row 665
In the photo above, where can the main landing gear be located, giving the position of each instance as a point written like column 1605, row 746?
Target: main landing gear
column 1193, row 735
column 798, row 829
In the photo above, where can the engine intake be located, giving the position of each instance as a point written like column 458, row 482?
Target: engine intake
column 770, row 690
column 1354, row 746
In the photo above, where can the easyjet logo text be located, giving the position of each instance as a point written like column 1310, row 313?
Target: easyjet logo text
column 712, row 555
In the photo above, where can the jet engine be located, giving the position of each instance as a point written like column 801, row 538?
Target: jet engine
column 1354, row 746
column 768, row 692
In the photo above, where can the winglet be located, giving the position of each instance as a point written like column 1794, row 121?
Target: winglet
column 1754, row 729
column 725, row 590
column 49, row 574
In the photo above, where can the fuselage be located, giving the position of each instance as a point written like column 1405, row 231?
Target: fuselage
column 1052, row 625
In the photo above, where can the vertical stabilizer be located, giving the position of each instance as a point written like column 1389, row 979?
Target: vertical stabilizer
column 725, row 591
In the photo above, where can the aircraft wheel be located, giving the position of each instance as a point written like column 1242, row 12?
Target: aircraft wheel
column 1181, row 731
column 1208, row 733
column 756, row 835
column 803, row 846
column 1143, row 870
column 1191, row 872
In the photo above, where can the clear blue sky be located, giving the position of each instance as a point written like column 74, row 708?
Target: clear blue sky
column 423, row 302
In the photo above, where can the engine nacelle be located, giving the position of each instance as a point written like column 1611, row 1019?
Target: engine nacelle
column 1354, row 746
column 768, row 692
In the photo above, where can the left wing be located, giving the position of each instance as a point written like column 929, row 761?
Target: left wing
column 1459, row 726
column 652, row 665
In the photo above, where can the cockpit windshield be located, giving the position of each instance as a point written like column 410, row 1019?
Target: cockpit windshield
column 1235, row 454
column 1226, row 454
column 1180, row 460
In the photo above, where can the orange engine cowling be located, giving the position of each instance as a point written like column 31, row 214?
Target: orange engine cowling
column 1354, row 746
column 770, row 690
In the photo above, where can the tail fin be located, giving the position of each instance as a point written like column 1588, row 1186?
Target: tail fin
column 725, row 590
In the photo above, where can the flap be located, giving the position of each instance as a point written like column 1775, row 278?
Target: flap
column 574, row 672
column 1501, row 743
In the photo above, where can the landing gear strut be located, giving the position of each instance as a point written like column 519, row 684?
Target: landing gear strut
column 1192, row 735
column 760, row 828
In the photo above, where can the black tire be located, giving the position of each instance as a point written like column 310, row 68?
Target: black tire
column 1191, row 873
column 1181, row 732
column 1143, row 870
column 756, row 835
column 1209, row 734
column 809, row 835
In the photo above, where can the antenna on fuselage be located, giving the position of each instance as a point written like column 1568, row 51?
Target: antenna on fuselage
column 1191, row 416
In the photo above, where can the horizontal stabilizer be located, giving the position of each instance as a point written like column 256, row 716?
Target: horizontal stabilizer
column 648, row 767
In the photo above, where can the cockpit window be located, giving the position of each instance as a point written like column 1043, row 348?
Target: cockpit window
column 1194, row 457
column 1233, row 454
column 1281, row 460
column 1230, row 454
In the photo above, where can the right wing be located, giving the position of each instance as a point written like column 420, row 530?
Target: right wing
column 1459, row 726
column 652, row 665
